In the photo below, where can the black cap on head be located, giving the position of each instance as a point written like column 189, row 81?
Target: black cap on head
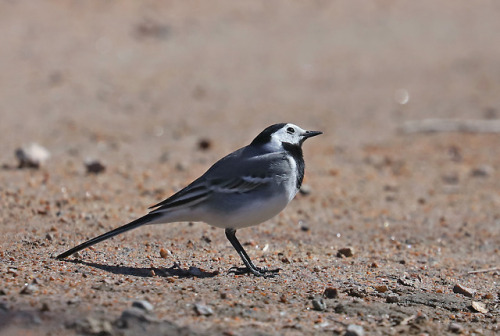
column 265, row 136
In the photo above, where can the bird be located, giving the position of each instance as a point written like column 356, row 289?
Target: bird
column 243, row 189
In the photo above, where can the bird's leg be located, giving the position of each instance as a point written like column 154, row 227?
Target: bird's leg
column 250, row 267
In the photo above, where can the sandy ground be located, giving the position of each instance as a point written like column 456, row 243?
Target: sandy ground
column 138, row 85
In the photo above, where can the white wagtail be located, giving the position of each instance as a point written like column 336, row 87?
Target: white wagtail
column 245, row 188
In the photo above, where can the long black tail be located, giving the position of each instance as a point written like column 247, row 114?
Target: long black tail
column 132, row 225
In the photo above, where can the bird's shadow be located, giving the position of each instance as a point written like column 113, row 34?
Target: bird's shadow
column 147, row 272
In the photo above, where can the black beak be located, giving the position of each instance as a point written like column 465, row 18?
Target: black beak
column 310, row 134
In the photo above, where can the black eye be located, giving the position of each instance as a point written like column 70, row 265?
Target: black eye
column 290, row 130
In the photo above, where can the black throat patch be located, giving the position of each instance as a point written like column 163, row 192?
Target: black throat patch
column 296, row 152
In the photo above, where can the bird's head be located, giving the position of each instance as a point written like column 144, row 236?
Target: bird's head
column 275, row 135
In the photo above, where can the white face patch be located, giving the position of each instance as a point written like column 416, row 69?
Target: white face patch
column 289, row 133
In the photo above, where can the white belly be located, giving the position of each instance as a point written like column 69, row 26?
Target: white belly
column 253, row 213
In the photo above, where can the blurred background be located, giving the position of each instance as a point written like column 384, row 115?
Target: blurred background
column 144, row 77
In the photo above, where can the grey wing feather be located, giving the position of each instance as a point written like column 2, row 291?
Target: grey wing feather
column 193, row 194
column 239, row 172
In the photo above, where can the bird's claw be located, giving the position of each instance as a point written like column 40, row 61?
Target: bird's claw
column 257, row 271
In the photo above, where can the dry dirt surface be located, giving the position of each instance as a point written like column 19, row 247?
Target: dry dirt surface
column 394, row 234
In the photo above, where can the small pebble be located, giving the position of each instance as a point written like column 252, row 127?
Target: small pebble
column 356, row 292
column 331, row 293
column 303, row 226
column 455, row 328
column 144, row 305
column 354, row 330
column 94, row 166
column 32, row 156
column 104, row 285
column 73, row 301
column 164, row 253
column 133, row 314
column 305, row 189
column 322, row 325
column 93, row 326
column 13, row 271
column 319, row 304
column 204, row 144
column 421, row 318
column 202, row 309
column 28, row 289
column 407, row 282
column 482, row 171
column 392, row 298
column 45, row 307
column 345, row 252
column 479, row 307
column 459, row 289
column 285, row 260
column 488, row 296
column 381, row 288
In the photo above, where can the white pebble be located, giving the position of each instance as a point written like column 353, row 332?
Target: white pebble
column 32, row 155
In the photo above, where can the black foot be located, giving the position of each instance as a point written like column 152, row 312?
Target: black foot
column 250, row 267
column 257, row 271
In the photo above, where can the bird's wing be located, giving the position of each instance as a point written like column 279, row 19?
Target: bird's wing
column 235, row 173
column 193, row 194
column 238, row 184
